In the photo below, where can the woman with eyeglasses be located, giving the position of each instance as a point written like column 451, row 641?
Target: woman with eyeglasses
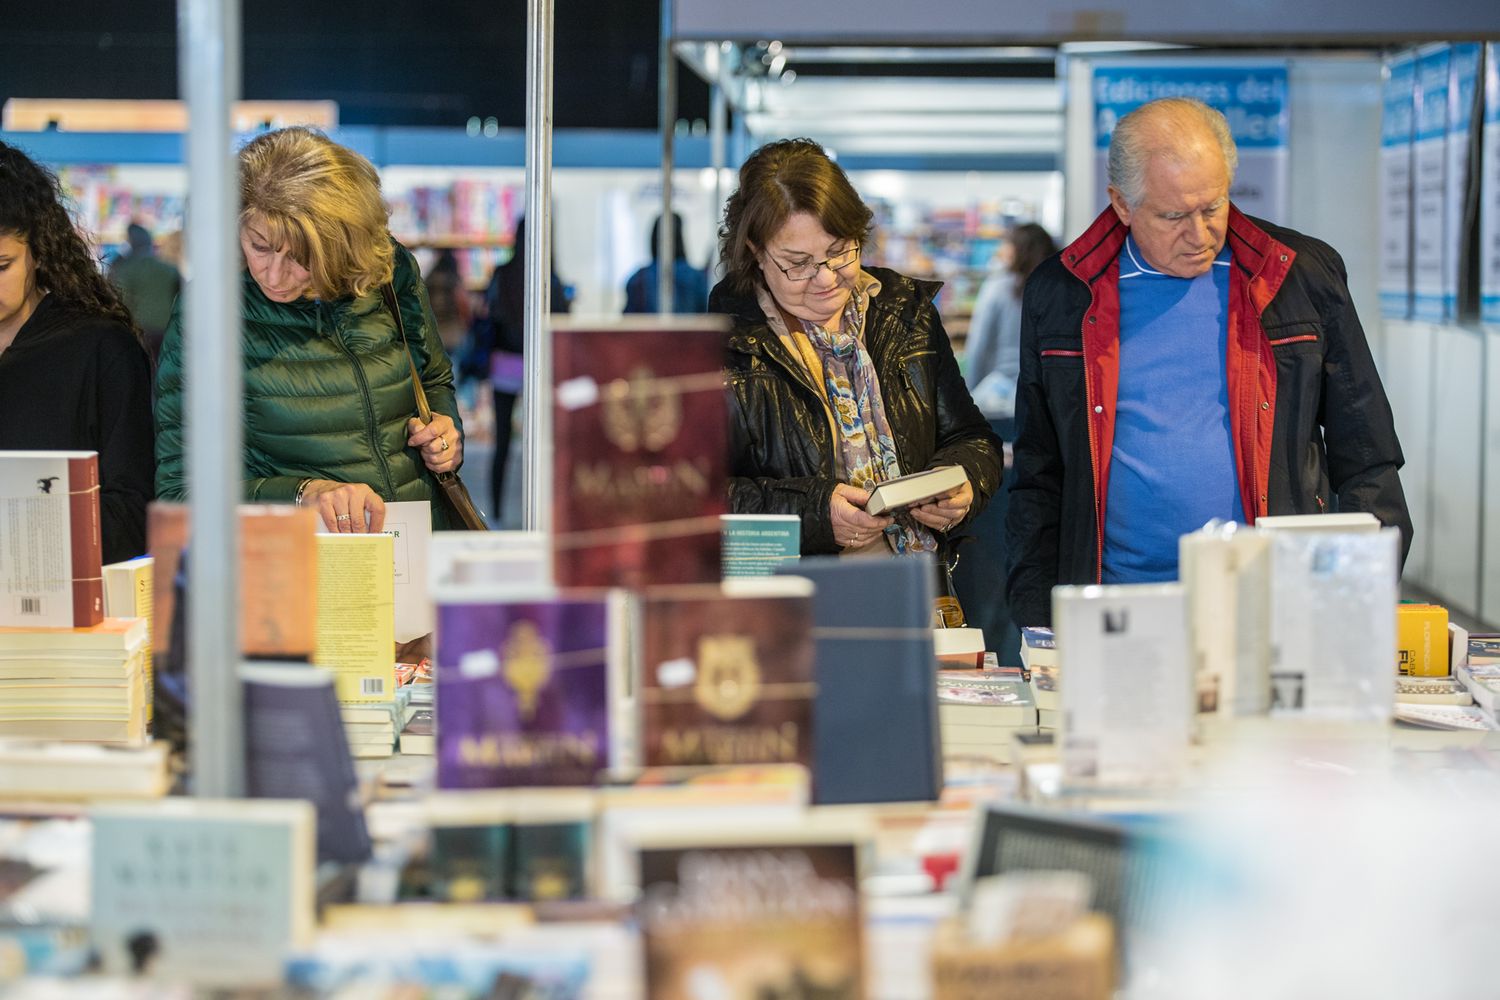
column 840, row 374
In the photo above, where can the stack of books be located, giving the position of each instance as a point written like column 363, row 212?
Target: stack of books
column 77, row 772
column 980, row 711
column 1479, row 673
column 1039, row 657
column 372, row 727
column 79, row 685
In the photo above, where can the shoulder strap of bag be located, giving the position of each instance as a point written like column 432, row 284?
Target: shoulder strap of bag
column 424, row 412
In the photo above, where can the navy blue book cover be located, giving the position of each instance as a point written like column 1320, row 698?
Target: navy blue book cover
column 295, row 748
column 875, row 732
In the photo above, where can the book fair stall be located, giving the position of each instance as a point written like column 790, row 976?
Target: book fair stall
column 642, row 748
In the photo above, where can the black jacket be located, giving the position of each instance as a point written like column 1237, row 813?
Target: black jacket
column 781, row 448
column 72, row 381
column 1312, row 428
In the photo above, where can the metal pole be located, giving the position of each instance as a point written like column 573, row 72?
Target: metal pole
column 209, row 67
column 666, row 89
column 537, row 440
column 718, row 126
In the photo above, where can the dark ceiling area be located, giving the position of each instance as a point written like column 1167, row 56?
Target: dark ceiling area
column 426, row 62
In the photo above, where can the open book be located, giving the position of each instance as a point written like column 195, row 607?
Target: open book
column 903, row 491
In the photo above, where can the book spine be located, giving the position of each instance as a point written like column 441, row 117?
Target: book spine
column 85, row 543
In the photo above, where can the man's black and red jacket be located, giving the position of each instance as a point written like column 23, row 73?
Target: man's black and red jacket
column 1311, row 425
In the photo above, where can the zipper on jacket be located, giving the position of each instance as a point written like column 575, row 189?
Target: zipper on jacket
column 371, row 426
column 1088, row 416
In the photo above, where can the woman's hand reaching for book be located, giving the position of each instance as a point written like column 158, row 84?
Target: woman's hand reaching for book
column 852, row 527
column 945, row 512
column 347, row 508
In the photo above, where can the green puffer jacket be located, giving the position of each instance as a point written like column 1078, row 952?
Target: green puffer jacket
column 327, row 394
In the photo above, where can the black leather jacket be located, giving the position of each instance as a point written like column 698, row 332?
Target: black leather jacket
column 781, row 448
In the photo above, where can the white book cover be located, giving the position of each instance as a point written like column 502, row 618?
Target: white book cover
column 211, row 892
column 1127, row 707
column 51, row 556
column 1333, row 624
column 1225, row 570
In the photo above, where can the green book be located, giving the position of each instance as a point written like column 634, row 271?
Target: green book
column 756, row 544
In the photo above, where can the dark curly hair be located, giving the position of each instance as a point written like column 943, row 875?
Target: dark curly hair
column 779, row 180
column 32, row 209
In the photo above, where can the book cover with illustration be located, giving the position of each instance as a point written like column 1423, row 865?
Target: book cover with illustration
column 752, row 922
column 51, row 562
column 522, row 693
column 640, row 468
column 728, row 674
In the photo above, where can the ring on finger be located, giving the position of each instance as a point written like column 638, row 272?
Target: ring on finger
column 343, row 517
column 444, row 442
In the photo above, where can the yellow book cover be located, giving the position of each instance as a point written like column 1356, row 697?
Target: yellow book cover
column 129, row 592
column 356, row 632
column 1421, row 640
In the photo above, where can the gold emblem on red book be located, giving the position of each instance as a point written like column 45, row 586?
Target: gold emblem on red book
column 528, row 666
column 641, row 412
column 728, row 676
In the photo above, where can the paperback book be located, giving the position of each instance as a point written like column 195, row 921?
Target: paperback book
column 51, row 562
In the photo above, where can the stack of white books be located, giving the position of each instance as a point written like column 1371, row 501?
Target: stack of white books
column 79, row 684
column 980, row 711
column 82, row 771
column 372, row 727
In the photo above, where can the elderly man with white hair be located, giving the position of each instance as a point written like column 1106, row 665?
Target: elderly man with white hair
column 1182, row 362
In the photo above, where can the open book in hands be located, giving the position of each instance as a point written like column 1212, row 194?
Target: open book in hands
column 918, row 487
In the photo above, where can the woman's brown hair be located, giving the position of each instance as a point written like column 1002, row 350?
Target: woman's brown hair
column 779, row 180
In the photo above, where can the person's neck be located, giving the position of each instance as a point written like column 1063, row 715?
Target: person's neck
column 12, row 326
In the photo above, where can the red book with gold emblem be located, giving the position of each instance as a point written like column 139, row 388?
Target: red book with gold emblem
column 728, row 674
column 640, row 472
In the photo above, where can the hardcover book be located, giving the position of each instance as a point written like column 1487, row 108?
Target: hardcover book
column 52, row 560
column 211, row 892
column 295, row 748
column 875, row 734
column 1127, row 713
column 914, row 488
column 640, row 470
column 996, row 697
column 728, row 674
column 750, row 922
column 522, row 693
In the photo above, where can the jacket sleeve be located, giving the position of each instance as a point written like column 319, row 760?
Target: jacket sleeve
column 1359, row 432
column 807, row 497
column 422, row 337
column 171, row 430
column 964, row 437
column 1032, row 521
column 127, row 463
column 171, row 474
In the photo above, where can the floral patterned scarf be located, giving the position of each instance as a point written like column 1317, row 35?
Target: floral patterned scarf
column 867, row 449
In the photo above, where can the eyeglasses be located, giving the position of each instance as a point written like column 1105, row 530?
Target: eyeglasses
column 806, row 272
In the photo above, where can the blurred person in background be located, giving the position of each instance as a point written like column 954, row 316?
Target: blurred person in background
column 330, row 410
column 840, row 374
column 506, row 299
column 689, row 284
column 449, row 300
column 993, row 353
column 74, row 375
column 147, row 284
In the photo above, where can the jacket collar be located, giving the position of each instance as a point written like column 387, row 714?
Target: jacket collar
column 1264, row 260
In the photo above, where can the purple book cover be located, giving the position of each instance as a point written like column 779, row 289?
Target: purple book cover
column 522, row 694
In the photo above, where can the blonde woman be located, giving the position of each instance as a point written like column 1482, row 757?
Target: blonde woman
column 329, row 406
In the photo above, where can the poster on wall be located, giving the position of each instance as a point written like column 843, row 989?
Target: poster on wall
column 1430, row 183
column 1252, row 96
column 1398, row 112
column 1463, row 80
column 1489, row 221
